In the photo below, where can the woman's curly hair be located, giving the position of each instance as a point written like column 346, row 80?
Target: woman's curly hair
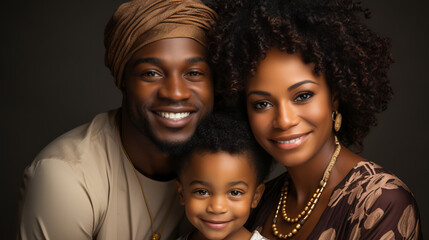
column 329, row 33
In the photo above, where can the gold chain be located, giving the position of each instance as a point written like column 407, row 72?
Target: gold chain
column 303, row 216
column 155, row 235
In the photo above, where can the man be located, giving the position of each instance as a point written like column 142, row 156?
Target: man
column 111, row 178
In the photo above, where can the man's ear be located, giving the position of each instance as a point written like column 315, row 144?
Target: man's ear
column 258, row 195
column 179, row 187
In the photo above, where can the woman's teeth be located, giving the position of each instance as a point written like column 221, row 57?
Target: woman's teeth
column 290, row 141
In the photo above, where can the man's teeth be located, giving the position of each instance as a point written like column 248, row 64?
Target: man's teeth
column 290, row 141
column 174, row 116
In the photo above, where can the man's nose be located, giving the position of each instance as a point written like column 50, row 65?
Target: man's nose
column 174, row 88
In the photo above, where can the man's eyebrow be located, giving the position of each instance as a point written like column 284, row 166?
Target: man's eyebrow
column 158, row 60
column 196, row 60
column 147, row 60
column 296, row 85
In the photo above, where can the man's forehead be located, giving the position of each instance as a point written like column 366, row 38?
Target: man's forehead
column 171, row 49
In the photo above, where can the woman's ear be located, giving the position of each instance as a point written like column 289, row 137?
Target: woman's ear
column 335, row 101
column 258, row 195
column 179, row 187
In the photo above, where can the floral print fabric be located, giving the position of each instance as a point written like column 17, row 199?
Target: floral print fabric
column 370, row 203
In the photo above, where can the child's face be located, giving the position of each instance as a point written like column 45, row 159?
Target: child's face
column 218, row 191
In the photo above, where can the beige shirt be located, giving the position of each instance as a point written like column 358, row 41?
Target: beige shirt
column 82, row 186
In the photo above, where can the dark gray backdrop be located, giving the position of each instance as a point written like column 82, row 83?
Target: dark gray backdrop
column 53, row 79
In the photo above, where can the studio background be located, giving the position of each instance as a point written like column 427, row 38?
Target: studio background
column 53, row 79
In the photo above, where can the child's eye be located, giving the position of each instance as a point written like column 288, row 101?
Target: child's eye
column 261, row 105
column 194, row 73
column 202, row 192
column 303, row 97
column 235, row 193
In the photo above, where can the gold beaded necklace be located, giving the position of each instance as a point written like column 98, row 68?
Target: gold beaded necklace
column 155, row 235
column 304, row 214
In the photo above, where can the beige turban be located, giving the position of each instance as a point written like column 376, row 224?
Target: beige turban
column 140, row 22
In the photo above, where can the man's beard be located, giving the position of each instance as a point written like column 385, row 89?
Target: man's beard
column 170, row 147
column 143, row 126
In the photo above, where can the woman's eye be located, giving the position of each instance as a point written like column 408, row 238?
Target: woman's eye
column 235, row 193
column 262, row 105
column 304, row 97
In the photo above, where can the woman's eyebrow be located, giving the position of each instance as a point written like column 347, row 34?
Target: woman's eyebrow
column 259, row 93
column 296, row 85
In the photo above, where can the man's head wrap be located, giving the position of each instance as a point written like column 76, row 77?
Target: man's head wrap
column 140, row 22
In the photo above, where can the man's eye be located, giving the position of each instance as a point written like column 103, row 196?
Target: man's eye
column 261, row 105
column 150, row 74
column 195, row 76
column 304, row 97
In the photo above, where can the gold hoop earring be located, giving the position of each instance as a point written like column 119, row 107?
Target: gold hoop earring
column 337, row 120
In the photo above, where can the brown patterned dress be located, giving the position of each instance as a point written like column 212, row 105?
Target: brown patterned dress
column 369, row 203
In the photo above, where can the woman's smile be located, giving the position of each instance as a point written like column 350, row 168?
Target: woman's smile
column 290, row 142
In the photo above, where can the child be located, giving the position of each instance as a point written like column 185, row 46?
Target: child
column 220, row 178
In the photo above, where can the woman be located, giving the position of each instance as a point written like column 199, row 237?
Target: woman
column 312, row 77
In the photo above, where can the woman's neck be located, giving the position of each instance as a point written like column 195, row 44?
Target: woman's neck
column 305, row 178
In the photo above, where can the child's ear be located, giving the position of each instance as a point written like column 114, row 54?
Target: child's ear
column 258, row 195
column 179, row 187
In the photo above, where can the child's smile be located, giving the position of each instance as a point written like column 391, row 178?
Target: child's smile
column 218, row 190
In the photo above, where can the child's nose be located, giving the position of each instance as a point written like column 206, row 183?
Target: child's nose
column 218, row 205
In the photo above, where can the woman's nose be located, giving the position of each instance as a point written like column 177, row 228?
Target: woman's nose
column 285, row 117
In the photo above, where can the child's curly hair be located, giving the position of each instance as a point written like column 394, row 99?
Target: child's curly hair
column 226, row 133
column 329, row 33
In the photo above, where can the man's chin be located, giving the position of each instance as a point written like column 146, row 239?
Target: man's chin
column 169, row 147
column 172, row 144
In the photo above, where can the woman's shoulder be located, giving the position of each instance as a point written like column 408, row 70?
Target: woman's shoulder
column 373, row 177
column 375, row 197
column 368, row 179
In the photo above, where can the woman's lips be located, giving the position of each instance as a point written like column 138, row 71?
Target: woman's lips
column 289, row 142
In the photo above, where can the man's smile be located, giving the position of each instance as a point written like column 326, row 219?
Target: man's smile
column 174, row 116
